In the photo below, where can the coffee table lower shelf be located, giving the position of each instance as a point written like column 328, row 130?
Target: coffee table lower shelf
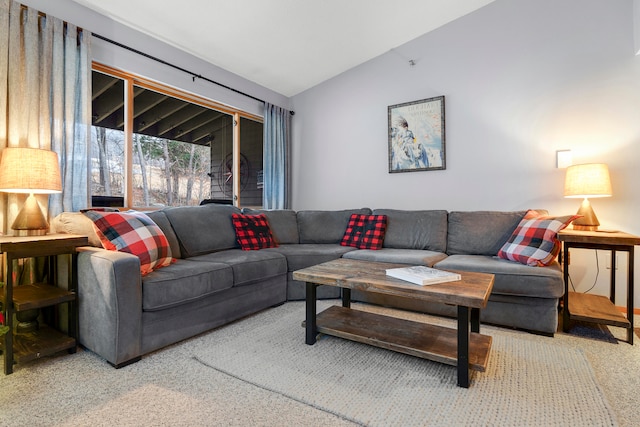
column 422, row 340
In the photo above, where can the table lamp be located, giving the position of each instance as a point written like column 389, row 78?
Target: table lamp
column 30, row 171
column 587, row 181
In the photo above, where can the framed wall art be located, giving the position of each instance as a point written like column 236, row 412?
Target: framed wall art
column 417, row 136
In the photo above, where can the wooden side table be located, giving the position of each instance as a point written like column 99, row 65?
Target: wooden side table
column 46, row 340
column 597, row 308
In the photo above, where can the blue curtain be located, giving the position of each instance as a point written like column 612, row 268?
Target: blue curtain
column 276, row 165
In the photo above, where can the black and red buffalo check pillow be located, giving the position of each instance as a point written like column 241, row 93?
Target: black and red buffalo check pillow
column 365, row 231
column 253, row 232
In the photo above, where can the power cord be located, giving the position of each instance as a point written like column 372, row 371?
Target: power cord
column 597, row 273
column 595, row 281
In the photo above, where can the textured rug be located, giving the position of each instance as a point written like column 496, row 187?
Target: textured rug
column 529, row 381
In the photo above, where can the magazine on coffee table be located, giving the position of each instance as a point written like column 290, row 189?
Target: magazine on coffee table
column 421, row 275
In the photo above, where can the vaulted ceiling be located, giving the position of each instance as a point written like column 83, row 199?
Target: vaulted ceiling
column 287, row 46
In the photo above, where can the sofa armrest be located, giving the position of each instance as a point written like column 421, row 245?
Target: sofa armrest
column 110, row 304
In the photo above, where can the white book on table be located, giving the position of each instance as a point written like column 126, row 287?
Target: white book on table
column 422, row 275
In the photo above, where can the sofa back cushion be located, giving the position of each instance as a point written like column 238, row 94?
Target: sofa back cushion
column 282, row 222
column 203, row 229
column 480, row 232
column 426, row 230
column 325, row 226
column 160, row 218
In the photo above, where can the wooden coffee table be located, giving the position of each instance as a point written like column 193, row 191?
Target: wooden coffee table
column 463, row 347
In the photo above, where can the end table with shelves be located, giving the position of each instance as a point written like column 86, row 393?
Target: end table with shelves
column 597, row 308
column 23, row 346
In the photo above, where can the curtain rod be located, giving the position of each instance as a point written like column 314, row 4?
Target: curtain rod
column 193, row 75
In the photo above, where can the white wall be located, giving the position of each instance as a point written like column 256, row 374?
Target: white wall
column 112, row 55
column 522, row 79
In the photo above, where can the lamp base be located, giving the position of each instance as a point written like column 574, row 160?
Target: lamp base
column 27, row 321
column 588, row 220
column 30, row 220
column 25, row 233
column 585, row 227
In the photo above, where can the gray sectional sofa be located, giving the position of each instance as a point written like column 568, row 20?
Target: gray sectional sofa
column 123, row 316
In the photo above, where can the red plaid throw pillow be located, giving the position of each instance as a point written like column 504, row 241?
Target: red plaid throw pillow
column 365, row 231
column 253, row 232
column 135, row 233
column 534, row 242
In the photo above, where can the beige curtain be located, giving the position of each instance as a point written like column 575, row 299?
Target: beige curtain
column 45, row 78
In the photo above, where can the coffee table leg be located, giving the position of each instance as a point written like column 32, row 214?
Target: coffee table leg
column 346, row 297
column 463, row 346
column 310, row 325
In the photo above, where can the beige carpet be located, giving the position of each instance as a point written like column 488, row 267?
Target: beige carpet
column 171, row 388
column 529, row 381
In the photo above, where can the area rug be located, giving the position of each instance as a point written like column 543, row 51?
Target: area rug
column 530, row 381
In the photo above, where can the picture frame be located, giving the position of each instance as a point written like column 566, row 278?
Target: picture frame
column 417, row 136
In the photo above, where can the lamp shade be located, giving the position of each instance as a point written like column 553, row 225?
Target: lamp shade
column 587, row 181
column 29, row 170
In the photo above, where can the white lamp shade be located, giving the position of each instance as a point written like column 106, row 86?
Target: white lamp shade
column 587, row 181
column 29, row 170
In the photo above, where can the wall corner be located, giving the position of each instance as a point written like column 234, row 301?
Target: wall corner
column 636, row 26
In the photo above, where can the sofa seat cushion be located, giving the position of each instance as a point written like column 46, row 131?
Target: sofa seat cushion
column 402, row 256
column 426, row 229
column 248, row 266
column 182, row 282
column 511, row 278
column 306, row 255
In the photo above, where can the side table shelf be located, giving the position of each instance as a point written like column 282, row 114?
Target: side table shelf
column 596, row 309
column 45, row 340
column 38, row 295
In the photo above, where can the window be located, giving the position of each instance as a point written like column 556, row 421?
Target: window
column 155, row 146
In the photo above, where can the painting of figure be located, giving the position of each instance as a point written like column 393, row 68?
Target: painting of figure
column 416, row 136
